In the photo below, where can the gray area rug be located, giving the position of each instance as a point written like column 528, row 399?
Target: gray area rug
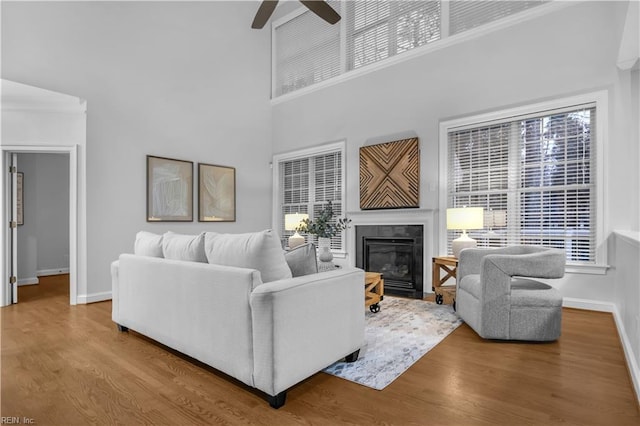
column 395, row 338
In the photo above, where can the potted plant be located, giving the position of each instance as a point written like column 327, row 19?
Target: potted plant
column 324, row 227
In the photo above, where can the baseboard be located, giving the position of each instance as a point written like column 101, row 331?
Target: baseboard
column 587, row 304
column 83, row 299
column 55, row 271
column 28, row 281
column 632, row 365
column 594, row 305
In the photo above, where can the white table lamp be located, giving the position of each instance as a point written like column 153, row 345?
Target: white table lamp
column 464, row 218
column 291, row 223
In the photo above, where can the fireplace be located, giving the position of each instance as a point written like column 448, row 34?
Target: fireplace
column 396, row 251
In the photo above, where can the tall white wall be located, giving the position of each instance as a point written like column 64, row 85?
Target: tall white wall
column 571, row 51
column 185, row 80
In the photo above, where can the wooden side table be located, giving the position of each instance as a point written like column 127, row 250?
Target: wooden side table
column 444, row 293
column 373, row 290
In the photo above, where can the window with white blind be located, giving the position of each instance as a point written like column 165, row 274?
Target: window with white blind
column 535, row 175
column 380, row 29
column 307, row 50
column 304, row 182
column 465, row 14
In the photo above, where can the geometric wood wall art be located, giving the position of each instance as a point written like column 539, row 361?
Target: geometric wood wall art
column 390, row 175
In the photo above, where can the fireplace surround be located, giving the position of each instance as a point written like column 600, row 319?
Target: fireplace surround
column 396, row 251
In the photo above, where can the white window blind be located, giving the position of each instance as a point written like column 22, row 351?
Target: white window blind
column 307, row 50
column 380, row 29
column 535, row 178
column 465, row 14
column 307, row 183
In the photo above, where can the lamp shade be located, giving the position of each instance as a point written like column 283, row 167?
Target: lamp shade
column 293, row 220
column 465, row 218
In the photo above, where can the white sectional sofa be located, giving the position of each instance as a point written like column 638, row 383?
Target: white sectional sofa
column 230, row 301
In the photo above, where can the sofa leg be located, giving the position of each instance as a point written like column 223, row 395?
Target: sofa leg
column 278, row 400
column 122, row 328
column 352, row 357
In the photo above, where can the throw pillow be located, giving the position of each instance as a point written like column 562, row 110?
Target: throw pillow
column 184, row 247
column 148, row 244
column 255, row 250
column 302, row 260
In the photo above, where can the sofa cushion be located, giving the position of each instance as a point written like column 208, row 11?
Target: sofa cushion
column 302, row 260
column 183, row 247
column 148, row 244
column 255, row 250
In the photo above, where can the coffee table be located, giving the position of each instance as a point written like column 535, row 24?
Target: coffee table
column 373, row 290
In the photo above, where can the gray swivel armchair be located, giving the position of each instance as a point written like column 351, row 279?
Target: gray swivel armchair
column 496, row 300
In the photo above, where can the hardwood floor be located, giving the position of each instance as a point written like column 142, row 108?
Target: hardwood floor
column 68, row 365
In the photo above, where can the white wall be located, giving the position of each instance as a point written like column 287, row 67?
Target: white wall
column 43, row 240
column 184, row 80
column 569, row 52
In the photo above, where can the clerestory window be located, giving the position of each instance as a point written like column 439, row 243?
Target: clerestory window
column 307, row 50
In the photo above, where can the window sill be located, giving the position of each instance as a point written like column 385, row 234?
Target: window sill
column 586, row 269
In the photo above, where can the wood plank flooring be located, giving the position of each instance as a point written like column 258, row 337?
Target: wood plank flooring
column 68, row 365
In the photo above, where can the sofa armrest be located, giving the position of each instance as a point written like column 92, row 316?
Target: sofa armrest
column 301, row 325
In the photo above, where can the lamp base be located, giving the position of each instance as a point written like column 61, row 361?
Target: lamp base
column 296, row 240
column 462, row 242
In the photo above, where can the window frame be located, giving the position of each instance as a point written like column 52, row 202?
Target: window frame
column 329, row 148
column 600, row 99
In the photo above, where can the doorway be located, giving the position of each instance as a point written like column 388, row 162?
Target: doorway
column 43, row 222
column 11, row 249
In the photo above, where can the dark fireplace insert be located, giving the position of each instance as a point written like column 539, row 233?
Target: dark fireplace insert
column 396, row 251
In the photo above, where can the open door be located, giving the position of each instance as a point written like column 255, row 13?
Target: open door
column 13, row 231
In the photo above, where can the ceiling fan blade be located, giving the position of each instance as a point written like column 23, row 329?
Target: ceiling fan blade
column 322, row 9
column 264, row 13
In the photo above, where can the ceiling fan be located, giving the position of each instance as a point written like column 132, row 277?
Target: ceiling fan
column 319, row 7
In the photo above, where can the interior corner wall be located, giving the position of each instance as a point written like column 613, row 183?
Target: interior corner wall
column 184, row 80
column 518, row 65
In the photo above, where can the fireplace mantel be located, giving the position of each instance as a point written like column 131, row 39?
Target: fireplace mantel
column 392, row 217
column 424, row 217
